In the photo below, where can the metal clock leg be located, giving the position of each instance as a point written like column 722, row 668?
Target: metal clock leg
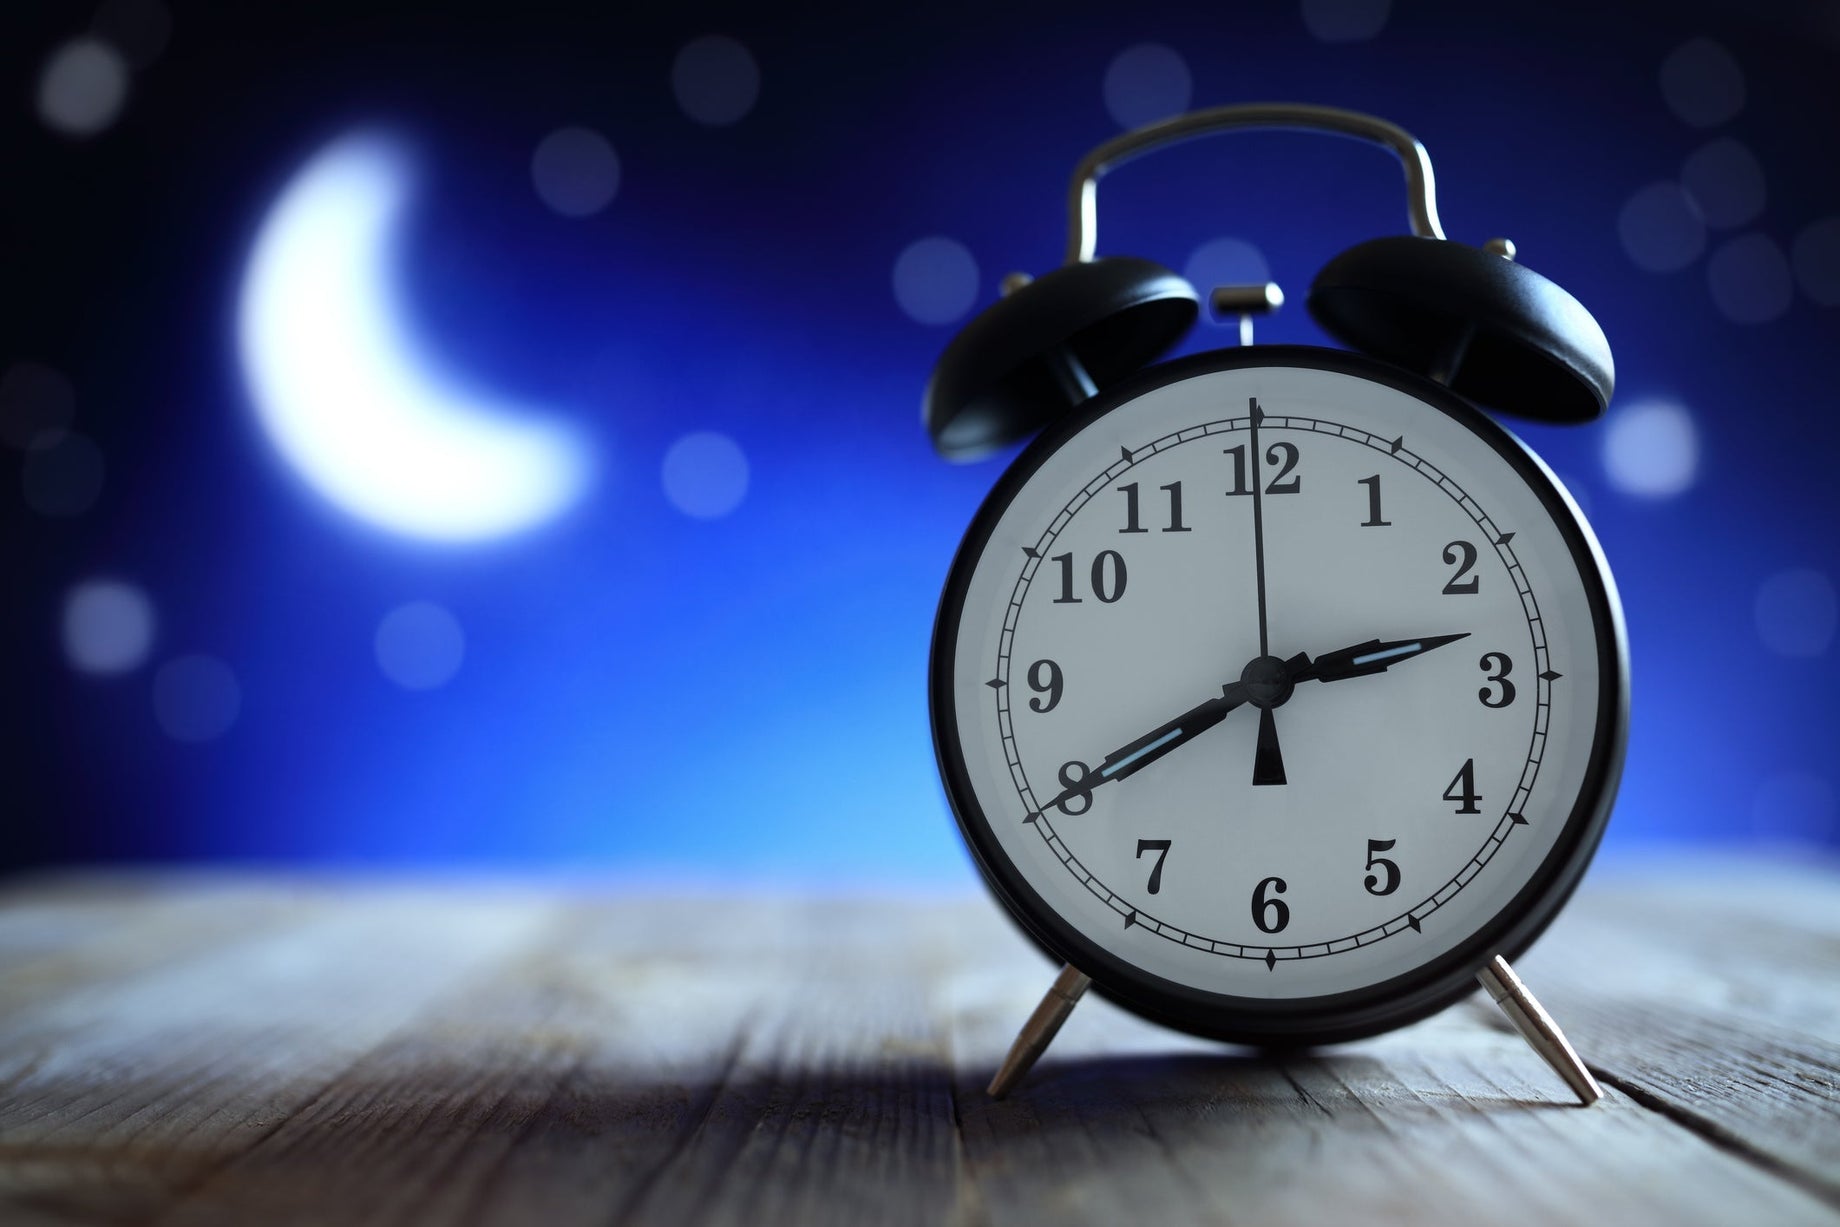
column 1537, row 1028
column 1039, row 1031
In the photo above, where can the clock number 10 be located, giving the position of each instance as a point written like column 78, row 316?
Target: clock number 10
column 1108, row 576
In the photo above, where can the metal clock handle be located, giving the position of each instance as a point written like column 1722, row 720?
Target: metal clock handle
column 1504, row 987
column 1083, row 195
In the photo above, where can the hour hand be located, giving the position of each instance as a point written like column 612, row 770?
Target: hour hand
column 1374, row 656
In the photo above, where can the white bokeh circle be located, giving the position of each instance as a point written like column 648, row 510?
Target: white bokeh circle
column 1725, row 181
column 705, row 475
column 108, row 627
column 1345, row 21
column 1661, row 229
column 575, row 171
column 1225, row 261
column 63, row 479
column 419, row 646
column 196, row 698
column 1702, row 83
column 36, row 405
column 1796, row 612
column 1651, row 449
column 1146, row 83
column 716, row 80
column 82, row 87
column 935, row 280
column 1750, row 280
column 1815, row 257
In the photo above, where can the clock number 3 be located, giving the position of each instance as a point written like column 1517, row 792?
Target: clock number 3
column 1161, row 848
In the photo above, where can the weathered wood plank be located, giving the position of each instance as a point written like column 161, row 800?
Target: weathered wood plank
column 381, row 1054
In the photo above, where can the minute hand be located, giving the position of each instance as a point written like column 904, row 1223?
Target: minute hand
column 1129, row 759
column 1374, row 656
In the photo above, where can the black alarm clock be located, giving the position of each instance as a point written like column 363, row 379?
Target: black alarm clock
column 1278, row 691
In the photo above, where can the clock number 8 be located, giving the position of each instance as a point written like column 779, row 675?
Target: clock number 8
column 1083, row 795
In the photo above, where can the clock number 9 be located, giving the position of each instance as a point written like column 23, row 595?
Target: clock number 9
column 1265, row 909
column 1045, row 678
column 1500, row 676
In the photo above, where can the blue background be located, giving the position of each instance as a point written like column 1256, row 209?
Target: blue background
column 649, row 694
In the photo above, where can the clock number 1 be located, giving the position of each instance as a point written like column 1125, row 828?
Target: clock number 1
column 1131, row 524
column 1373, row 519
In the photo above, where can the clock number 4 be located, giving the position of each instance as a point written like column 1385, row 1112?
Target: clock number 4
column 1108, row 576
column 1161, row 848
column 1282, row 454
column 1462, row 789
column 1131, row 524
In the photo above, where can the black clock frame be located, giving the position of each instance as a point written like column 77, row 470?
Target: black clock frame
column 1336, row 1017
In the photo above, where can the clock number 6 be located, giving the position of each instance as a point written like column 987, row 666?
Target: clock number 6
column 1387, row 867
column 1161, row 848
column 1270, row 910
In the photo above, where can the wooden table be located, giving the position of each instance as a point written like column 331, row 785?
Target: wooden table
column 210, row 1049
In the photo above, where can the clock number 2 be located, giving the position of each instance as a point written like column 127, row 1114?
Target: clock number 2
column 1271, row 915
column 1108, row 577
column 1462, row 556
column 1161, row 848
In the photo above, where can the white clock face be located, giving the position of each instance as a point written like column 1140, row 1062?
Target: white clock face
column 1427, row 699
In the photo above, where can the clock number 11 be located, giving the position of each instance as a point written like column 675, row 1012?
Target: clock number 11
column 1131, row 524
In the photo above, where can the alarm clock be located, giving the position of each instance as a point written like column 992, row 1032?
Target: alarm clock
column 1279, row 692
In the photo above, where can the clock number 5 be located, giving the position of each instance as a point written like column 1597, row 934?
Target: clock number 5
column 1271, row 915
column 1391, row 880
column 1161, row 848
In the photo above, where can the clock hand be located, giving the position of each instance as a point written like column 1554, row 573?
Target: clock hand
column 1374, row 656
column 1268, row 762
column 1129, row 759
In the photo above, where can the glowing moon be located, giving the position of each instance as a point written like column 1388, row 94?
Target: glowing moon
column 349, row 399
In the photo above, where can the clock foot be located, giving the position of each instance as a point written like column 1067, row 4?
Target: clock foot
column 1537, row 1028
column 1039, row 1031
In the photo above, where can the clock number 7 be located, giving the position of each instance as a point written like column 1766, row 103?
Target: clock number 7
column 1161, row 848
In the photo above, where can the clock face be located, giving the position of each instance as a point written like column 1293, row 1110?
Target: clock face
column 1279, row 690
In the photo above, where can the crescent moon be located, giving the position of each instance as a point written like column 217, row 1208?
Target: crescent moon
column 346, row 394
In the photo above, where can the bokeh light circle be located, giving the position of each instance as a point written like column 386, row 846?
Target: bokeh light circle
column 1225, row 261
column 1702, row 83
column 63, row 479
column 1750, row 280
column 1345, row 21
column 1725, row 181
column 1795, row 806
column 420, row 646
column 716, row 80
column 82, row 87
column 935, row 280
column 1651, row 449
column 705, row 475
column 36, row 405
column 1661, row 228
column 108, row 627
column 1796, row 613
column 1815, row 256
column 1146, row 83
column 196, row 698
column 575, row 171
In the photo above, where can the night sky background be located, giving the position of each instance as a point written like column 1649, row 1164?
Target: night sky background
column 722, row 247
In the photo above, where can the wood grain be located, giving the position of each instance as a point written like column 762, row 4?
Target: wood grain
column 196, row 1050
